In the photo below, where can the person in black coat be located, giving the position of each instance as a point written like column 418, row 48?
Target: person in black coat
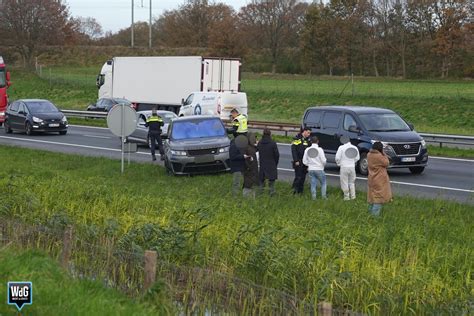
column 298, row 146
column 268, row 157
column 251, row 167
column 237, row 167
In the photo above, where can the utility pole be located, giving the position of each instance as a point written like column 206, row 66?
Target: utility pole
column 131, row 28
column 149, row 35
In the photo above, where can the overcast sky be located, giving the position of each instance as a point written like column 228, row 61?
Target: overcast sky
column 114, row 15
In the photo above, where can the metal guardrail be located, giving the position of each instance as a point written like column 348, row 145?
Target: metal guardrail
column 459, row 140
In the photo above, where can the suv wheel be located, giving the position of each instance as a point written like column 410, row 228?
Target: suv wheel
column 6, row 125
column 363, row 165
column 28, row 129
column 416, row 170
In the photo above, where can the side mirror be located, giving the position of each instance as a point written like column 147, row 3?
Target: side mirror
column 354, row 129
column 411, row 126
column 182, row 101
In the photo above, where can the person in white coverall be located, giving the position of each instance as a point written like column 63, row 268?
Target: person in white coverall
column 347, row 160
column 315, row 159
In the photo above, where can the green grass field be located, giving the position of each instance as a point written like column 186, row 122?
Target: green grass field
column 56, row 293
column 432, row 106
column 415, row 259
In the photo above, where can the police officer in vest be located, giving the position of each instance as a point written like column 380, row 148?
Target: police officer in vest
column 154, row 124
column 239, row 123
column 298, row 146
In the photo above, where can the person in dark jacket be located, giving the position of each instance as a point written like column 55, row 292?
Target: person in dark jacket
column 251, row 167
column 298, row 146
column 237, row 166
column 268, row 158
column 154, row 124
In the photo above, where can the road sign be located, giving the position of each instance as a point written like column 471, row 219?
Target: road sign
column 122, row 120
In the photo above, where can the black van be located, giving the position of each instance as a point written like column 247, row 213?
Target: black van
column 364, row 126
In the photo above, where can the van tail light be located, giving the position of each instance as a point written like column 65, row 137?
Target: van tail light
column 219, row 108
column 134, row 105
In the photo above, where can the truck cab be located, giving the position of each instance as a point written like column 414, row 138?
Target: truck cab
column 4, row 84
column 104, row 80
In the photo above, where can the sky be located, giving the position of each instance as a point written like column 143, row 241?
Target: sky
column 114, row 15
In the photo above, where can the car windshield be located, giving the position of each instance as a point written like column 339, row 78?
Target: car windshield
column 3, row 80
column 383, row 122
column 167, row 117
column 120, row 101
column 198, row 129
column 41, row 107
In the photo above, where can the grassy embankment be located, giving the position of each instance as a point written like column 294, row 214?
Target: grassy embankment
column 415, row 259
column 54, row 292
column 432, row 106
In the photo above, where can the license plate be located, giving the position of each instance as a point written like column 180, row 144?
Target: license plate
column 408, row 159
column 54, row 125
column 204, row 158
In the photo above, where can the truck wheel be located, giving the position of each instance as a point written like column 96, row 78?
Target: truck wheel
column 416, row 170
column 363, row 165
column 28, row 129
column 6, row 125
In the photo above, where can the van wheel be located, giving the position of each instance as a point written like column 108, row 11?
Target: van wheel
column 363, row 165
column 6, row 125
column 416, row 170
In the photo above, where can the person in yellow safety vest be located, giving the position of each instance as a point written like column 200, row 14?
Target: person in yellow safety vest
column 239, row 123
column 154, row 124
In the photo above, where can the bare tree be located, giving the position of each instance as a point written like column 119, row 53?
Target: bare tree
column 29, row 23
column 89, row 27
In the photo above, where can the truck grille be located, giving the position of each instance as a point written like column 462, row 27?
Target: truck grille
column 200, row 152
column 406, row 149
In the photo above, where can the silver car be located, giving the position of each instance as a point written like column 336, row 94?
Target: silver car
column 140, row 135
column 197, row 144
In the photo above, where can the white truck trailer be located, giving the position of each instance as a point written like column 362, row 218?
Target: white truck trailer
column 163, row 82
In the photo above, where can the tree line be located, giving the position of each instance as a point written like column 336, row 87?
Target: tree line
column 396, row 38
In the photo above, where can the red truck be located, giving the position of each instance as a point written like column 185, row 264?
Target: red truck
column 4, row 84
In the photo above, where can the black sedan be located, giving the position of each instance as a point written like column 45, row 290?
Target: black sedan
column 105, row 104
column 34, row 115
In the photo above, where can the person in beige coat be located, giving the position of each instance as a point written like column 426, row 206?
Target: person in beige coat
column 379, row 191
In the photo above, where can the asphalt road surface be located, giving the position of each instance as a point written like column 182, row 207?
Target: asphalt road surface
column 444, row 178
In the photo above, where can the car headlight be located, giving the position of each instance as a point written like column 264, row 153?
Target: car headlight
column 385, row 144
column 224, row 149
column 37, row 120
column 64, row 119
column 178, row 152
column 423, row 144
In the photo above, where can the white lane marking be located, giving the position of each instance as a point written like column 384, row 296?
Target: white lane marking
column 398, row 182
column 85, row 126
column 96, row 136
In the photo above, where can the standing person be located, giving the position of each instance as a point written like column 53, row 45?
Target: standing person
column 251, row 167
column 346, row 157
column 298, row 146
column 379, row 190
column 237, row 167
column 269, row 157
column 154, row 124
column 315, row 159
column 239, row 123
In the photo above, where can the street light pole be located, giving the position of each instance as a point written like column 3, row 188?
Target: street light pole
column 132, row 39
column 149, row 35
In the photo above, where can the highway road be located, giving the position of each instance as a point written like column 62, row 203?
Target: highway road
column 444, row 178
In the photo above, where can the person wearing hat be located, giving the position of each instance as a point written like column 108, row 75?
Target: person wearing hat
column 315, row 159
column 239, row 123
column 154, row 124
column 346, row 158
column 298, row 145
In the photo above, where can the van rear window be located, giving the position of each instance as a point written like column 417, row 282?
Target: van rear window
column 313, row 118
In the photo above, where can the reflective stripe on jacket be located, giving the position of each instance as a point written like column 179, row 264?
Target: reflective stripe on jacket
column 241, row 123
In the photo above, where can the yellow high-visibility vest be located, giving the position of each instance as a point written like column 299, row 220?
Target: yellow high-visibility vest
column 241, row 123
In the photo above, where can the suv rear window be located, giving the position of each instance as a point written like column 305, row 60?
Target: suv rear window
column 331, row 119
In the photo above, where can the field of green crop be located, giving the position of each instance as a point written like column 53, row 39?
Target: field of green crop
column 54, row 292
column 415, row 259
column 432, row 106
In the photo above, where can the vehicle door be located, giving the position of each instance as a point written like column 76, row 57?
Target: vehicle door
column 186, row 107
column 330, row 131
column 142, row 131
column 209, row 104
column 350, row 128
column 197, row 104
column 22, row 113
column 12, row 115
